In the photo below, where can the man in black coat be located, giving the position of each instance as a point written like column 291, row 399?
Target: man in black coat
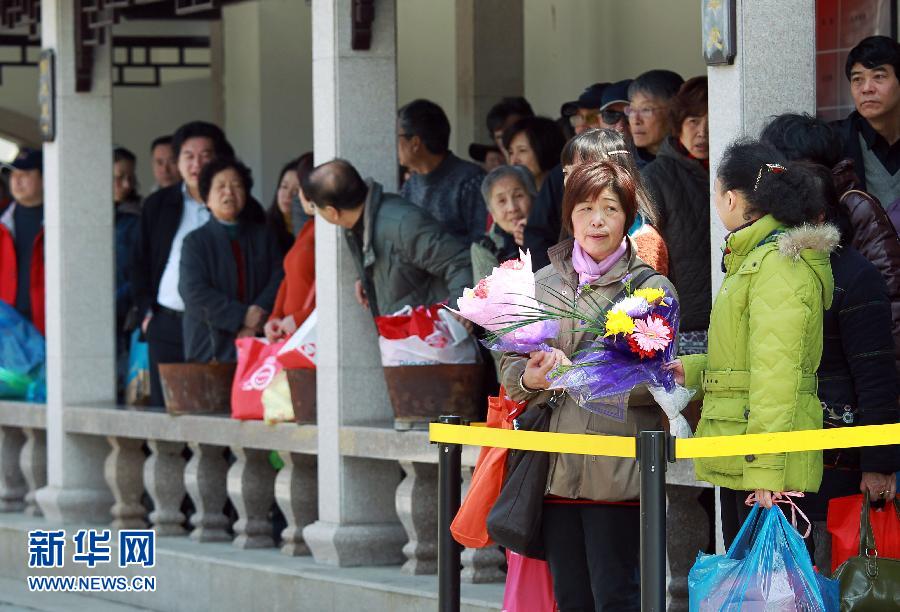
column 871, row 134
column 168, row 215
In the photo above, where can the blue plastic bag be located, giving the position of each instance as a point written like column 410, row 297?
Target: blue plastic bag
column 766, row 568
column 22, row 357
column 137, row 382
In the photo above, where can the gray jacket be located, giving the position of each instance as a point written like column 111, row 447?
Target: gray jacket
column 610, row 479
column 404, row 257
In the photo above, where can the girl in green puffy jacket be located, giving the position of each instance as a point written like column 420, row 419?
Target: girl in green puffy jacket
column 765, row 331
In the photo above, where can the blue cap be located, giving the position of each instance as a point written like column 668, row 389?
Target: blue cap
column 617, row 93
column 27, row 159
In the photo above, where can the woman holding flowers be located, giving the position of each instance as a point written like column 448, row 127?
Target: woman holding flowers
column 590, row 519
column 765, row 331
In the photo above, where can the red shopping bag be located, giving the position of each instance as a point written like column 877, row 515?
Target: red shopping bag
column 425, row 335
column 257, row 365
column 843, row 525
column 529, row 586
column 469, row 527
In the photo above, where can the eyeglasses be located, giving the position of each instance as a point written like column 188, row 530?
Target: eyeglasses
column 578, row 120
column 644, row 113
column 612, row 117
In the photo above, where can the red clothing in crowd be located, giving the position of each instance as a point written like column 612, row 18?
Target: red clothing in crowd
column 297, row 293
column 9, row 270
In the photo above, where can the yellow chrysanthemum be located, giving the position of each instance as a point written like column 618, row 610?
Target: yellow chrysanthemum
column 651, row 294
column 618, row 323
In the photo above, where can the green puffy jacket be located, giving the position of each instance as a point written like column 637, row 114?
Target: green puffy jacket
column 765, row 343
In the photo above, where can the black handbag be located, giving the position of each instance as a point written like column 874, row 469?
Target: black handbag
column 515, row 519
column 869, row 583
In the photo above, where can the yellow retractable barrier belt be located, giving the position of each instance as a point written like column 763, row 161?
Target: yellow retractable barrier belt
column 620, row 446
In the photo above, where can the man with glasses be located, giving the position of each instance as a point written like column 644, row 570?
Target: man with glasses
column 648, row 111
column 584, row 113
column 612, row 109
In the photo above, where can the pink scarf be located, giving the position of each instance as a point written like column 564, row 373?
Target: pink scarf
column 589, row 271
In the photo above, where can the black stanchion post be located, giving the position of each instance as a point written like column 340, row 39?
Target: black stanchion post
column 652, row 458
column 449, row 489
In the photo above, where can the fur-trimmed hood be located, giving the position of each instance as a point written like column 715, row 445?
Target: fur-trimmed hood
column 794, row 241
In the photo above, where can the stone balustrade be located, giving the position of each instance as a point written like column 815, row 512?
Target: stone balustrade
column 211, row 478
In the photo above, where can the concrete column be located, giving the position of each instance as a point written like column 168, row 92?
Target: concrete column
column 266, row 75
column 78, row 220
column 774, row 72
column 354, row 102
column 488, row 66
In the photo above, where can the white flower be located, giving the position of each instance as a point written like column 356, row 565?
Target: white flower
column 632, row 306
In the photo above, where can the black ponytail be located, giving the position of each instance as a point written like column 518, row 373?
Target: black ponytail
column 788, row 191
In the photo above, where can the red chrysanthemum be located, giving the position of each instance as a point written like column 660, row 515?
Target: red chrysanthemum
column 637, row 350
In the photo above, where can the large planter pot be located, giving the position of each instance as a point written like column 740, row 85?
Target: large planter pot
column 303, row 395
column 197, row 388
column 420, row 394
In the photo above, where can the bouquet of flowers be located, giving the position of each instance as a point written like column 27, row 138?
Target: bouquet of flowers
column 634, row 339
column 504, row 304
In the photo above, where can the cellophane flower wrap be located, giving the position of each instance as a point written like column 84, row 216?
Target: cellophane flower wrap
column 504, row 304
column 635, row 339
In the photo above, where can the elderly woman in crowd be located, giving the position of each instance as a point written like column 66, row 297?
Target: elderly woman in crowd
column 508, row 194
column 678, row 180
column 590, row 519
column 534, row 142
column 605, row 144
column 230, row 267
column 297, row 294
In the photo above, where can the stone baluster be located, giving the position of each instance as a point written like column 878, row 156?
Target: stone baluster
column 251, row 489
column 124, row 470
column 33, row 463
column 164, row 479
column 13, row 487
column 417, row 508
column 297, row 494
column 205, row 481
column 687, row 533
column 480, row 565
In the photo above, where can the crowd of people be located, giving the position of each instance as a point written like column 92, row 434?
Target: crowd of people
column 805, row 329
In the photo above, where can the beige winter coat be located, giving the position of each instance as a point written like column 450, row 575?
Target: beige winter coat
column 583, row 476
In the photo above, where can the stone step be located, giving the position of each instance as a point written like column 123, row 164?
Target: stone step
column 217, row 576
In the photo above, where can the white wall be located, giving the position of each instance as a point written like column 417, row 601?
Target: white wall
column 268, row 85
column 570, row 44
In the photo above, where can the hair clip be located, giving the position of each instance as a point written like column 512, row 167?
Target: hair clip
column 619, row 152
column 773, row 168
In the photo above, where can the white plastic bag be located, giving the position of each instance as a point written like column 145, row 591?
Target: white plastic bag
column 304, row 339
column 422, row 336
column 672, row 404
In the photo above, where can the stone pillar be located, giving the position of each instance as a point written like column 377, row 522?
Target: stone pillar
column 298, row 498
column 418, row 511
column 267, row 109
column 488, row 66
column 13, row 487
column 205, row 480
column 357, row 523
column 78, row 252
column 687, row 533
column 33, row 462
column 774, row 72
column 251, row 489
column 164, row 479
column 124, row 471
